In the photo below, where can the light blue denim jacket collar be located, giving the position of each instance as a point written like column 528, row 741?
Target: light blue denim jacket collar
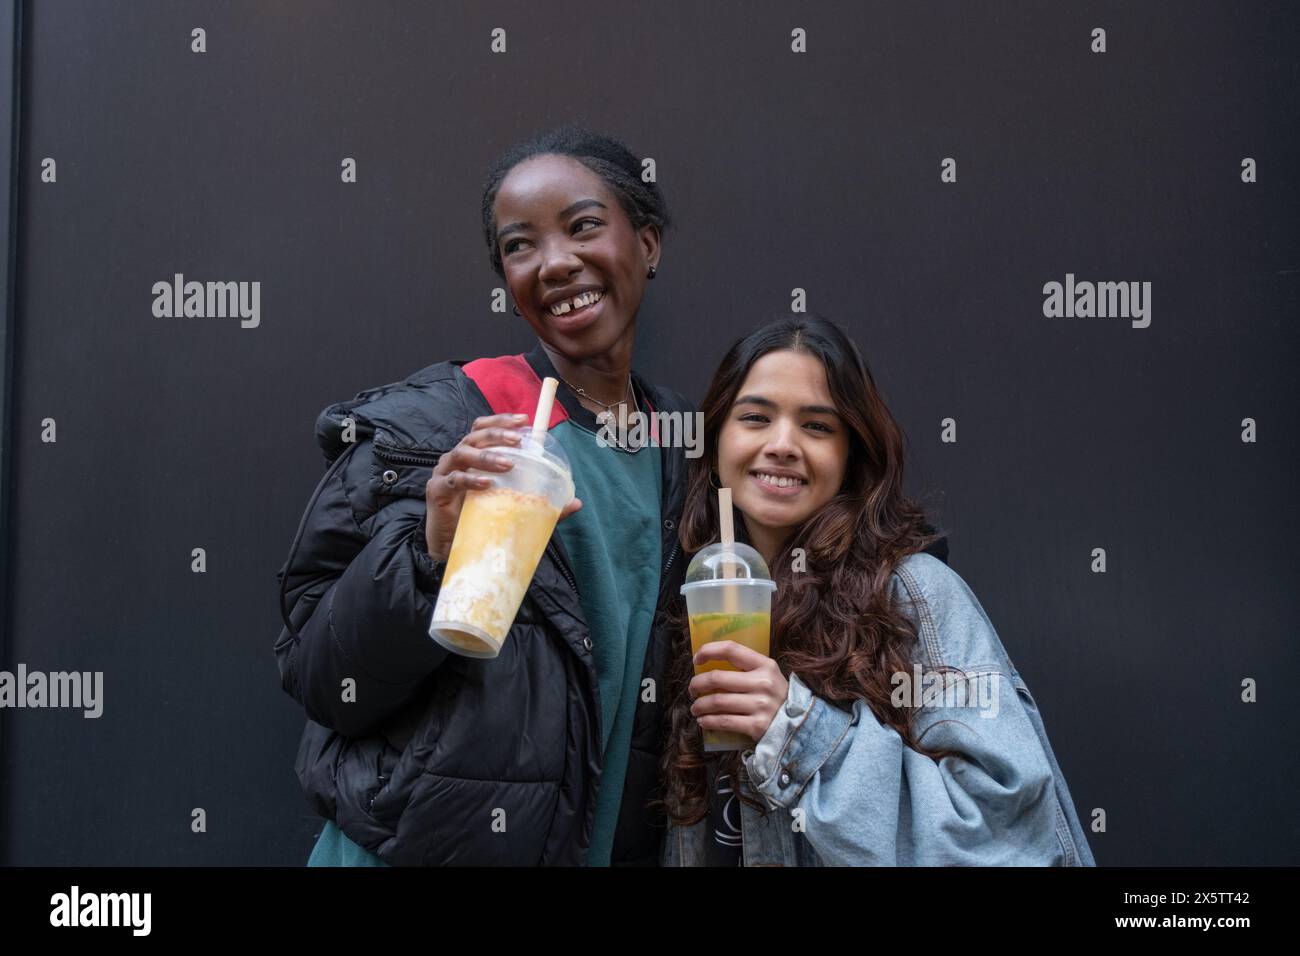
column 842, row 789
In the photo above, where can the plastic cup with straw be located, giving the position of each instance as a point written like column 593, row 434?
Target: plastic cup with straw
column 500, row 537
column 728, row 598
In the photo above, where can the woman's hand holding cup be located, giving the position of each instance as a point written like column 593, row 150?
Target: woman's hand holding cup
column 444, row 494
column 744, row 700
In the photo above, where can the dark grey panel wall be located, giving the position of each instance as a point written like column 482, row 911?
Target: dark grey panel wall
column 10, row 57
column 817, row 170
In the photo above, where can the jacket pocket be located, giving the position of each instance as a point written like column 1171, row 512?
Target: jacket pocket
column 409, row 743
column 400, row 472
column 456, row 821
column 385, row 763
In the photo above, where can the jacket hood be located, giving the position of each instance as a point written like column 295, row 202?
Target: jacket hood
column 426, row 411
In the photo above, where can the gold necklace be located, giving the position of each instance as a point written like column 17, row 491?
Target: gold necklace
column 606, row 417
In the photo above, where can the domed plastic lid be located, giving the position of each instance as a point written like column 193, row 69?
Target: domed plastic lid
column 550, row 450
column 710, row 567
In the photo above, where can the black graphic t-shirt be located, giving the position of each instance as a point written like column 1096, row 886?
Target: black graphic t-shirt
column 722, row 846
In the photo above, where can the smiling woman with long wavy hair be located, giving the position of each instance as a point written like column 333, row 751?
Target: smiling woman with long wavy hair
column 795, row 426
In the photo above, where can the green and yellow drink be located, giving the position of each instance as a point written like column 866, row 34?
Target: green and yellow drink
column 728, row 598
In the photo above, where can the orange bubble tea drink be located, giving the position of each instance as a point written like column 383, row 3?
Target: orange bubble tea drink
column 728, row 598
column 500, row 537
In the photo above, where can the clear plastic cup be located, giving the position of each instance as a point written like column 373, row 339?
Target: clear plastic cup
column 722, row 608
column 502, row 532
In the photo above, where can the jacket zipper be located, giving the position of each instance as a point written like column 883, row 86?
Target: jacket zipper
column 564, row 568
column 403, row 458
column 672, row 556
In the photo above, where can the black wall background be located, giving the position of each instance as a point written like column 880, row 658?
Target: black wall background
column 819, row 171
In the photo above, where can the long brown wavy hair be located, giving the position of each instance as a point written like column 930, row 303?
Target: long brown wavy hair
column 832, row 621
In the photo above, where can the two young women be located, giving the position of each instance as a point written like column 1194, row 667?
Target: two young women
column 583, row 737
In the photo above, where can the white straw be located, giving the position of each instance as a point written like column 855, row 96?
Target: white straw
column 728, row 532
column 543, row 416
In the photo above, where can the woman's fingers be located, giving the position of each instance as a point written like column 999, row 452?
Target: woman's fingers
column 455, row 484
column 486, row 431
column 444, row 493
column 497, row 421
column 475, row 451
column 463, row 457
column 491, row 436
column 725, row 704
column 732, row 682
column 738, row 655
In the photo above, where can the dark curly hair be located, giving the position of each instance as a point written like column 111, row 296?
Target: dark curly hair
column 605, row 156
column 834, row 623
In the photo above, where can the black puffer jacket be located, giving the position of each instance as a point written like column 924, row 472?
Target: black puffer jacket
column 436, row 752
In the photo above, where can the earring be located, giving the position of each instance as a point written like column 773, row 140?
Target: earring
column 517, row 312
column 651, row 274
column 712, row 475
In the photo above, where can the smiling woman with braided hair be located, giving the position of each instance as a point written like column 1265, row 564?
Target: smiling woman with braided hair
column 546, row 754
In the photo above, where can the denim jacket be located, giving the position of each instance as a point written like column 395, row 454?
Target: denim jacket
column 843, row 790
